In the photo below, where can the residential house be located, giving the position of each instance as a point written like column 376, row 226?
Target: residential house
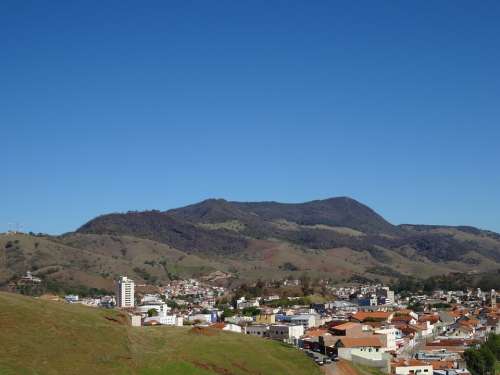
column 366, row 345
column 260, row 330
column 411, row 367
column 372, row 316
column 286, row 332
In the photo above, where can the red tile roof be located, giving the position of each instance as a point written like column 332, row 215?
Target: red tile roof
column 378, row 315
column 348, row 325
column 359, row 342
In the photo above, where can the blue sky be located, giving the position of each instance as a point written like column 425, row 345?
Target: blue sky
column 115, row 106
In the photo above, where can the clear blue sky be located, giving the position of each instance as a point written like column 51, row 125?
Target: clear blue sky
column 112, row 106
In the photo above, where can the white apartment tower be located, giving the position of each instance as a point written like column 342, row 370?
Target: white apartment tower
column 125, row 292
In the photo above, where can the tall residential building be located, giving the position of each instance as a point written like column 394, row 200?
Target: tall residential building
column 125, row 292
column 493, row 298
column 388, row 294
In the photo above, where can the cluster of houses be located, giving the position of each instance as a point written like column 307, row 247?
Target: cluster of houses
column 369, row 325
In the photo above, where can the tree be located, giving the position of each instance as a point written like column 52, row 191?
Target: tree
column 152, row 312
column 228, row 313
column 474, row 361
column 250, row 311
column 483, row 361
column 305, row 282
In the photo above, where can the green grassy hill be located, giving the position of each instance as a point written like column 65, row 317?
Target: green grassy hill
column 45, row 337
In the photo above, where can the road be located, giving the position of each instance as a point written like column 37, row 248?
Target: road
column 341, row 367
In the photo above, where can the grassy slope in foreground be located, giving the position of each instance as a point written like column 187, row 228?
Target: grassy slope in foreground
column 44, row 337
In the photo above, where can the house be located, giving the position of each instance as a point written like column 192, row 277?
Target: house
column 232, row 328
column 227, row 327
column 265, row 319
column 207, row 318
column 426, row 328
column 286, row 332
column 366, row 345
column 446, row 318
column 460, row 330
column 370, row 300
column 238, row 319
column 273, row 297
column 389, row 334
column 160, row 307
column 312, row 338
column 71, row 298
column 260, row 330
column 404, row 318
column 372, row 316
column 163, row 319
column 29, row 279
column 306, row 320
column 349, row 329
column 411, row 367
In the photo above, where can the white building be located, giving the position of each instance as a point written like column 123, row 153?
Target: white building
column 125, row 292
column 72, row 298
column 204, row 318
column 135, row 320
column 306, row 320
column 391, row 335
column 412, row 367
column 260, row 330
column 286, row 332
column 151, row 298
column 159, row 307
column 168, row 320
column 232, row 328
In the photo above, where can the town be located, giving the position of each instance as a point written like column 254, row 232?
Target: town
column 365, row 325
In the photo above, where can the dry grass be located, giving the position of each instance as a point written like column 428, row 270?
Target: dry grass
column 48, row 338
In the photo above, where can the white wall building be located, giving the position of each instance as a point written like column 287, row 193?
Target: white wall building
column 136, row 320
column 306, row 320
column 232, row 328
column 125, row 292
column 412, row 367
column 159, row 307
column 390, row 334
column 260, row 330
column 168, row 320
column 286, row 332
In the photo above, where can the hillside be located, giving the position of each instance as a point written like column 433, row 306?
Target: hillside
column 45, row 337
column 244, row 230
column 337, row 238
column 95, row 261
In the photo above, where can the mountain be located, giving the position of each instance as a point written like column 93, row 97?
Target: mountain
column 340, row 211
column 336, row 238
column 104, row 343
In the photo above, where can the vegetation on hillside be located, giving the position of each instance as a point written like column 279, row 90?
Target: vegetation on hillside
column 454, row 281
column 338, row 239
column 311, row 227
column 484, row 360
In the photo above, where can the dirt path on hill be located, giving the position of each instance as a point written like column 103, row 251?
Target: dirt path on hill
column 341, row 367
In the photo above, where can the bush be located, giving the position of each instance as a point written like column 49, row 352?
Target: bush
column 152, row 312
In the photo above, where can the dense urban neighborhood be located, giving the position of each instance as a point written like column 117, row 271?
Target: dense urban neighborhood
column 446, row 332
